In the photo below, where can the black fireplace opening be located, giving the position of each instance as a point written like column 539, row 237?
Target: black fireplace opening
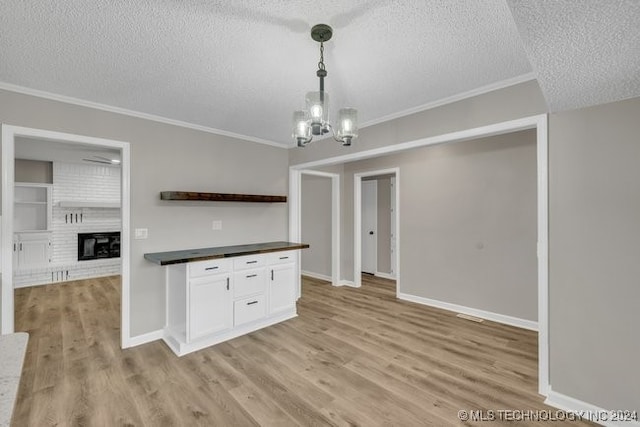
column 98, row 245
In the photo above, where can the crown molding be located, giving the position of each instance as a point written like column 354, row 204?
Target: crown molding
column 137, row 114
column 454, row 98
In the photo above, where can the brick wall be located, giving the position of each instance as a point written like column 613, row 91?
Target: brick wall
column 85, row 182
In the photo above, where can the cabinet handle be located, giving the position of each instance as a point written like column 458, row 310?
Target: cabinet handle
column 14, row 247
column 271, row 274
column 227, row 283
column 212, row 268
column 20, row 246
column 251, row 262
column 284, row 257
column 251, row 275
column 252, row 302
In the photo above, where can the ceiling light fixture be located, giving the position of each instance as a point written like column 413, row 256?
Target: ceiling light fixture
column 314, row 121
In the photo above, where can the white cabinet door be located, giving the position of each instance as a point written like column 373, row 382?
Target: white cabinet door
column 209, row 306
column 282, row 288
column 33, row 250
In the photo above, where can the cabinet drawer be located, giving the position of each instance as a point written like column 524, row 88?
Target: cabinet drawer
column 249, row 309
column 250, row 261
column 248, row 282
column 283, row 257
column 204, row 268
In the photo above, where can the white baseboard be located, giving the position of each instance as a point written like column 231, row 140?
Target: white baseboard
column 488, row 315
column 144, row 338
column 349, row 283
column 586, row 410
column 384, row 275
column 316, row 275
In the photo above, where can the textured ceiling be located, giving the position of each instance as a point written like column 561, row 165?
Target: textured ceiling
column 242, row 67
column 584, row 52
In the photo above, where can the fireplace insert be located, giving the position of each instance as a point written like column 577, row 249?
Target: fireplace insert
column 98, row 245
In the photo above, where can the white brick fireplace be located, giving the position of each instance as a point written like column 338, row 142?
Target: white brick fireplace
column 86, row 199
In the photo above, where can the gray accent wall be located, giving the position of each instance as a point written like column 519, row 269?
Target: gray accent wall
column 167, row 157
column 316, row 224
column 468, row 222
column 594, row 266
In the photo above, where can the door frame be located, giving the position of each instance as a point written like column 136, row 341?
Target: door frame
column 357, row 223
column 540, row 124
column 9, row 134
column 295, row 217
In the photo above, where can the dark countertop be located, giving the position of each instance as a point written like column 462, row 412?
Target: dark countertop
column 202, row 254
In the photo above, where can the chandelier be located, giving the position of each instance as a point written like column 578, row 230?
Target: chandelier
column 314, row 121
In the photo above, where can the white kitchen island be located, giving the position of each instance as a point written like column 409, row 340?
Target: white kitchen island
column 216, row 294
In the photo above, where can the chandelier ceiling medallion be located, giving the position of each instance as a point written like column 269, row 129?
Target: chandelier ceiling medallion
column 314, row 121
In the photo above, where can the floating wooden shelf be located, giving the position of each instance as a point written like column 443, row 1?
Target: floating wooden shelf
column 220, row 197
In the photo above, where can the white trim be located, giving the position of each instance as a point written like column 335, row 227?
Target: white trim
column 451, row 99
column 9, row 133
column 488, row 315
column 384, row 275
column 8, row 178
column 131, row 113
column 348, row 283
column 544, row 383
column 394, row 226
column 510, row 126
column 316, row 275
column 585, row 410
column 357, row 222
column 538, row 122
column 146, row 338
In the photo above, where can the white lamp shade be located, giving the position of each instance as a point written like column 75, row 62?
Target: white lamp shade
column 301, row 128
column 347, row 123
column 318, row 107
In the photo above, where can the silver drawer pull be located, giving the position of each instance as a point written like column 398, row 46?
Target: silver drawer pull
column 251, row 262
column 252, row 275
column 252, row 302
column 284, row 257
column 211, row 268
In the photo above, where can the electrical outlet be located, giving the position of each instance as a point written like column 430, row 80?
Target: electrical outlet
column 216, row 225
column 141, row 233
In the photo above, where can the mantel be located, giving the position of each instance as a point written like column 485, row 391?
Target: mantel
column 85, row 204
column 220, row 197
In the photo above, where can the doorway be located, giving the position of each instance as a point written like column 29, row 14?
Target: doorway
column 378, row 225
column 376, row 220
column 295, row 216
column 369, row 226
column 11, row 134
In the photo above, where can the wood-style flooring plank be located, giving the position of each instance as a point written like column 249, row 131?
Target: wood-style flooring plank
column 353, row 357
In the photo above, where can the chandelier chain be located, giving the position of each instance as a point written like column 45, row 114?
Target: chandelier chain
column 321, row 63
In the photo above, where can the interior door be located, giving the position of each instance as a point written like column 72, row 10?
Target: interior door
column 369, row 229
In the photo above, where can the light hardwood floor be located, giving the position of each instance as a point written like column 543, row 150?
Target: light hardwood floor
column 352, row 357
